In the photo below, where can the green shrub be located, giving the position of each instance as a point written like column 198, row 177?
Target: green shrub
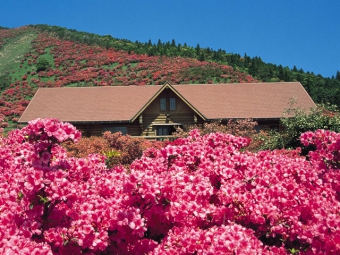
column 42, row 64
column 303, row 121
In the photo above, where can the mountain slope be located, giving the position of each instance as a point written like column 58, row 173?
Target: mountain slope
column 32, row 58
column 48, row 56
column 321, row 89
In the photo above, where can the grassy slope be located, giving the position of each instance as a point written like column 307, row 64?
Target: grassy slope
column 13, row 51
column 11, row 54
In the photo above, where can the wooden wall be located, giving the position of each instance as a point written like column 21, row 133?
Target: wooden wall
column 153, row 114
column 144, row 125
column 146, row 128
column 97, row 129
column 264, row 124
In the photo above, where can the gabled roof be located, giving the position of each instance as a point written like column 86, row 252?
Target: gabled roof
column 126, row 103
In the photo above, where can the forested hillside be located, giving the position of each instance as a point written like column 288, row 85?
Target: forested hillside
column 49, row 56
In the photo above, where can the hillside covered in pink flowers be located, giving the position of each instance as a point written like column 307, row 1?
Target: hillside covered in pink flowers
column 34, row 59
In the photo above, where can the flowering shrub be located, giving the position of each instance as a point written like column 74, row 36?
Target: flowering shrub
column 296, row 121
column 327, row 153
column 129, row 148
column 198, row 195
column 86, row 146
column 117, row 148
column 2, row 117
column 238, row 127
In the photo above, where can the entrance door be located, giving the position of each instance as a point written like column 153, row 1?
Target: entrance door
column 164, row 130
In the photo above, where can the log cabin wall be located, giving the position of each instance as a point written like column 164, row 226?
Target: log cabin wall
column 267, row 125
column 153, row 114
column 262, row 124
column 97, row 129
column 89, row 129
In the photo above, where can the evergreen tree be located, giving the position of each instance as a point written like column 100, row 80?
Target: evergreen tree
column 173, row 43
column 198, row 50
column 201, row 57
column 337, row 77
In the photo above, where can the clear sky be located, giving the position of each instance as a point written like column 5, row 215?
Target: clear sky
column 304, row 33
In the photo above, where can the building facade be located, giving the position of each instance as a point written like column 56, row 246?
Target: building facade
column 155, row 111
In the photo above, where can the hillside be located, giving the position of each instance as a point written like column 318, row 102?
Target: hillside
column 50, row 56
column 32, row 58
column 321, row 89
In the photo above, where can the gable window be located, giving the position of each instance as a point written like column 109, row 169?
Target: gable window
column 172, row 104
column 123, row 130
column 163, row 104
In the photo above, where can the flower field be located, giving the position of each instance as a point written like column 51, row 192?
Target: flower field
column 196, row 195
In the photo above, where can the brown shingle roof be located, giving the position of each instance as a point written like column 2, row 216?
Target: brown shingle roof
column 75, row 104
column 213, row 101
column 245, row 100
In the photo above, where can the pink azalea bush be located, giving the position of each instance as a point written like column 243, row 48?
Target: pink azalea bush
column 198, row 195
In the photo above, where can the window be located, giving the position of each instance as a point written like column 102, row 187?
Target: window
column 163, row 131
column 166, row 129
column 172, row 104
column 123, row 130
column 163, row 104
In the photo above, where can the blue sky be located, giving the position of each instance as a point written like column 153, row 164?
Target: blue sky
column 305, row 33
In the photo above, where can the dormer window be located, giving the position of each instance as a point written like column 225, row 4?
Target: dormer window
column 166, row 105
column 163, row 104
column 172, row 104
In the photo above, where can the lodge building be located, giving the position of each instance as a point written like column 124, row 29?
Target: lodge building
column 155, row 111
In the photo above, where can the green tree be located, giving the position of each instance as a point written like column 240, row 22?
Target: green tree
column 303, row 121
column 337, row 75
column 297, row 121
column 201, row 56
column 42, row 64
column 5, row 81
column 173, row 43
column 198, row 49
